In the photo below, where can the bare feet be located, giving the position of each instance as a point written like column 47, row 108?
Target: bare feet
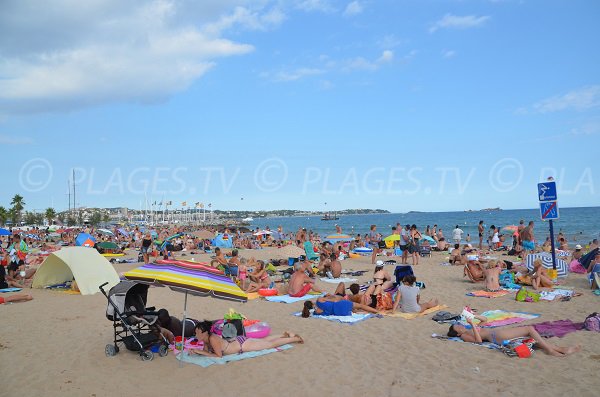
column 287, row 334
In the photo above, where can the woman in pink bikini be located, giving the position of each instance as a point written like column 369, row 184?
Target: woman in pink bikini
column 216, row 346
column 260, row 278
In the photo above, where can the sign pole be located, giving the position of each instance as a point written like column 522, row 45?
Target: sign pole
column 552, row 245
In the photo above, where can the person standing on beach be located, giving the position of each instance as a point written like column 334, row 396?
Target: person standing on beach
column 374, row 241
column 457, row 235
column 404, row 243
column 480, row 230
column 527, row 239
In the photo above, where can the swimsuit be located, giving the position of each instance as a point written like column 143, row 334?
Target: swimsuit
column 493, row 336
column 303, row 291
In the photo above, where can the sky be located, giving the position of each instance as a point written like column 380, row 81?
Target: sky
column 404, row 105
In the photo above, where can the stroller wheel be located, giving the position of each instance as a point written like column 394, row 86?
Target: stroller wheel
column 111, row 350
column 163, row 350
column 147, row 355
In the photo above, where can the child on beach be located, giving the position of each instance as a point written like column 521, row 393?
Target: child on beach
column 408, row 297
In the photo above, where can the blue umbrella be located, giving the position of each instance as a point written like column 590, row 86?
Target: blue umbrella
column 4, row 232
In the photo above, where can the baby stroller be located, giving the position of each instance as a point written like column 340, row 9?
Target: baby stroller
column 134, row 324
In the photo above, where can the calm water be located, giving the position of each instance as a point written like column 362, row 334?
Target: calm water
column 578, row 224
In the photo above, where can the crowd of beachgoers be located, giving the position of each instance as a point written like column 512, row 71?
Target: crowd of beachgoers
column 305, row 257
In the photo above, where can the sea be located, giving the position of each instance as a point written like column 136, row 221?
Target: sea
column 580, row 225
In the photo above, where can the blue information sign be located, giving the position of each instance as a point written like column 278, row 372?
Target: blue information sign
column 547, row 191
column 549, row 210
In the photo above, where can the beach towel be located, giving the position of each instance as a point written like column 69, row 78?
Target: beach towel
column 488, row 345
column 556, row 293
column 204, row 361
column 410, row 316
column 289, row 299
column 557, row 328
column 487, row 294
column 5, row 290
column 499, row 318
column 338, row 280
column 253, row 295
column 353, row 319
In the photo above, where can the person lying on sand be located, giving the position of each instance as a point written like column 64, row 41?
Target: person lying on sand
column 334, row 305
column 408, row 297
column 216, row 346
column 170, row 326
column 15, row 298
column 497, row 336
column 374, row 297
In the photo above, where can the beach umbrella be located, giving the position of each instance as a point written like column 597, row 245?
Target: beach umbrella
column 106, row 231
column 33, row 236
column 85, row 240
column 427, row 238
column 123, row 232
column 204, row 234
column 262, row 233
column 190, row 278
column 561, row 266
column 334, row 238
column 392, row 237
column 108, row 245
column 4, row 232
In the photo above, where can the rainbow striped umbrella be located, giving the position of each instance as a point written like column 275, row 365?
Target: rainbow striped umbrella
column 188, row 277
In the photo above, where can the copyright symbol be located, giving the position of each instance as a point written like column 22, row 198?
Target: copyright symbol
column 506, row 175
column 35, row 175
column 270, row 175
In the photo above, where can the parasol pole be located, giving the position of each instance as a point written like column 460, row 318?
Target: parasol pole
column 183, row 330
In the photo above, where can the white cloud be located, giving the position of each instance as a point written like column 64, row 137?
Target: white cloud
column 353, row 8
column 15, row 140
column 361, row 63
column 315, row 5
column 581, row 99
column 448, row 53
column 390, row 41
column 134, row 51
column 296, row 74
column 590, row 128
column 458, row 22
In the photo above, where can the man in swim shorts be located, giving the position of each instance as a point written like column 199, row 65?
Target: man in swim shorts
column 526, row 236
column 300, row 284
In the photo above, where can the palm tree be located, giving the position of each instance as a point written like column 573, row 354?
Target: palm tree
column 3, row 215
column 17, row 205
column 50, row 215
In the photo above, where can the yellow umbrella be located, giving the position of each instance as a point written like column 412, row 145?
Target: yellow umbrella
column 392, row 237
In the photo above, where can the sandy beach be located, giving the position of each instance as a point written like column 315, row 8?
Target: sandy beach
column 54, row 346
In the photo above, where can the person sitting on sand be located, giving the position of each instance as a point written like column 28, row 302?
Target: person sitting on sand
column 216, row 346
column 334, row 305
column 15, row 298
column 259, row 278
column 456, row 257
column 408, row 297
column 220, row 257
column 381, row 277
column 539, row 276
column 491, row 273
column 300, row 283
column 498, row 335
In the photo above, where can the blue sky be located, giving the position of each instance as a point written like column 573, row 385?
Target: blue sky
column 402, row 105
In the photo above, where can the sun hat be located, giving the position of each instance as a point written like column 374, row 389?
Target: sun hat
column 578, row 247
column 379, row 264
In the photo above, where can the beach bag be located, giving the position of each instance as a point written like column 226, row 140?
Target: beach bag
column 445, row 317
column 232, row 329
column 592, row 322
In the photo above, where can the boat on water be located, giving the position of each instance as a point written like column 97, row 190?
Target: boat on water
column 329, row 217
column 249, row 219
